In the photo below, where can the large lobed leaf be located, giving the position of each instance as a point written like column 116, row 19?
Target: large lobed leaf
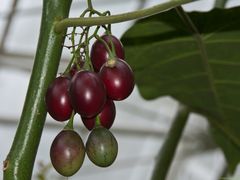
column 167, row 60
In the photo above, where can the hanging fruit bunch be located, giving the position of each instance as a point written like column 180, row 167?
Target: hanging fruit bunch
column 92, row 81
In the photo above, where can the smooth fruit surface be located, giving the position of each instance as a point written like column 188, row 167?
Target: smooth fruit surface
column 101, row 147
column 118, row 79
column 58, row 100
column 106, row 116
column 99, row 53
column 67, row 152
column 88, row 94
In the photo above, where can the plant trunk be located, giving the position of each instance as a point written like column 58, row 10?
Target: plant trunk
column 20, row 160
column 169, row 147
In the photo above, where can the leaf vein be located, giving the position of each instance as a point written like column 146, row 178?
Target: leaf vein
column 226, row 82
column 181, row 56
column 224, row 63
column 226, row 106
column 208, row 36
column 223, row 41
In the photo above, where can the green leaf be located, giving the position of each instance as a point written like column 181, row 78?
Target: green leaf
column 166, row 60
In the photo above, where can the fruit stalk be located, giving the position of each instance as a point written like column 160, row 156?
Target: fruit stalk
column 91, row 21
column 166, row 153
column 20, row 160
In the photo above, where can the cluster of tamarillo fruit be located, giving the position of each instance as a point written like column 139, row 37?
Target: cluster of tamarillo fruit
column 91, row 94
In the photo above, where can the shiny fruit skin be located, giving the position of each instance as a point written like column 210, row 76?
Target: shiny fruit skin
column 67, row 152
column 101, row 147
column 88, row 94
column 118, row 80
column 106, row 116
column 99, row 53
column 58, row 100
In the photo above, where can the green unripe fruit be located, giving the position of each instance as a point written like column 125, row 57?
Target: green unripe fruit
column 101, row 147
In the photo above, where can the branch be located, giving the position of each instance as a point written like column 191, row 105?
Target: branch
column 20, row 161
column 92, row 21
column 169, row 147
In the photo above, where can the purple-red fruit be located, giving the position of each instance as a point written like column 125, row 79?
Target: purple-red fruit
column 58, row 100
column 88, row 94
column 67, row 152
column 106, row 116
column 118, row 78
column 99, row 53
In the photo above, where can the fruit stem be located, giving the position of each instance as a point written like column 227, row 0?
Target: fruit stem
column 111, row 42
column 87, row 49
column 69, row 125
column 20, row 160
column 111, row 62
column 111, row 53
column 167, row 152
column 69, row 65
column 75, row 52
column 73, row 39
column 90, row 6
column 97, row 121
column 102, row 20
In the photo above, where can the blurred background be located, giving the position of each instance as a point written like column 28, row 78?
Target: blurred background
column 140, row 126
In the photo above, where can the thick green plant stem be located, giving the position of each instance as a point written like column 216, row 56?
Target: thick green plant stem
column 20, row 160
column 82, row 21
column 166, row 154
column 220, row 3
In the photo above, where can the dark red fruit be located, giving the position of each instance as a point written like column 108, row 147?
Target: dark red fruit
column 118, row 78
column 88, row 94
column 67, row 152
column 101, row 147
column 99, row 53
column 58, row 100
column 106, row 116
